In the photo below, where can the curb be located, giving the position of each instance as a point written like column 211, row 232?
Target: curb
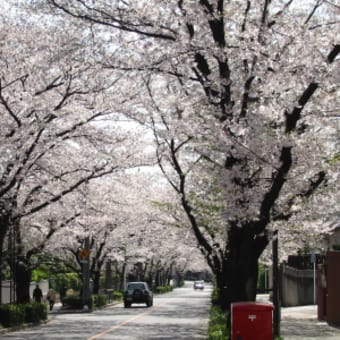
column 76, row 311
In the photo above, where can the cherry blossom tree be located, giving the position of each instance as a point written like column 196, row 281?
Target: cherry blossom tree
column 149, row 239
column 57, row 134
column 126, row 229
column 28, row 256
column 241, row 96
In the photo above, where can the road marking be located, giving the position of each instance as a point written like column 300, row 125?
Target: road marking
column 123, row 323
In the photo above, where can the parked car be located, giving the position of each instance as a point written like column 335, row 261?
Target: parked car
column 199, row 285
column 137, row 292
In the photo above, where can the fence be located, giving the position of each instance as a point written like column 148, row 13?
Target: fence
column 7, row 287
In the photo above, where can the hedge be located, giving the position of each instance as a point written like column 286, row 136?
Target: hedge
column 99, row 300
column 117, row 295
column 162, row 289
column 17, row 314
column 35, row 312
column 76, row 301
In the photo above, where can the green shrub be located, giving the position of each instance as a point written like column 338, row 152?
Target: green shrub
column 117, row 295
column 180, row 283
column 99, row 300
column 218, row 329
column 214, row 297
column 39, row 274
column 73, row 281
column 218, row 332
column 12, row 315
column 35, row 312
column 17, row 314
column 76, row 302
column 162, row 289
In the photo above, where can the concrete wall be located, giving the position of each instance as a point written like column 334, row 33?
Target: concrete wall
column 297, row 286
column 6, row 286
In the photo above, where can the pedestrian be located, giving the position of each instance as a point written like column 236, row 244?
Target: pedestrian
column 37, row 294
column 51, row 297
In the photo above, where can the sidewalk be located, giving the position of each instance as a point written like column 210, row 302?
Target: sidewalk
column 301, row 323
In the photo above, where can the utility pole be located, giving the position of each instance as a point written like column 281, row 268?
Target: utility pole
column 276, row 285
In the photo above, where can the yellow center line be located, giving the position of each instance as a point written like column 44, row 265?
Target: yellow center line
column 97, row 336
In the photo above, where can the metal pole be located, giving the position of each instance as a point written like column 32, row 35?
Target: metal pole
column 276, row 286
column 86, row 275
column 10, row 250
column 313, row 260
column 314, row 268
column 84, row 293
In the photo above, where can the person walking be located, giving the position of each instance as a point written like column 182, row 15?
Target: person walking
column 37, row 294
column 51, row 296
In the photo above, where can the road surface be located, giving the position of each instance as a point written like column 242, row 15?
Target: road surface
column 181, row 314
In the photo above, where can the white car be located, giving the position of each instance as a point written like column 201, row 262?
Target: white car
column 199, row 285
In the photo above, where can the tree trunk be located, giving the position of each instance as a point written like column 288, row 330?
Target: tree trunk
column 151, row 274
column 96, row 281
column 108, row 275
column 22, row 279
column 237, row 279
column 158, row 278
column 2, row 239
column 3, row 231
column 123, row 276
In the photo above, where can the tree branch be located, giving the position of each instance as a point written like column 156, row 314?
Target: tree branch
column 333, row 54
column 54, row 83
column 278, row 182
column 104, row 18
column 292, row 118
column 7, row 107
column 316, row 6
column 94, row 174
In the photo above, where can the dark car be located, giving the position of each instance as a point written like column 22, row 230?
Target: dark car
column 199, row 285
column 137, row 292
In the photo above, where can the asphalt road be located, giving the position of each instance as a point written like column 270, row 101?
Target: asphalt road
column 181, row 314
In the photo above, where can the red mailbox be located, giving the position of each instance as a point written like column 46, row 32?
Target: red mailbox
column 251, row 321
